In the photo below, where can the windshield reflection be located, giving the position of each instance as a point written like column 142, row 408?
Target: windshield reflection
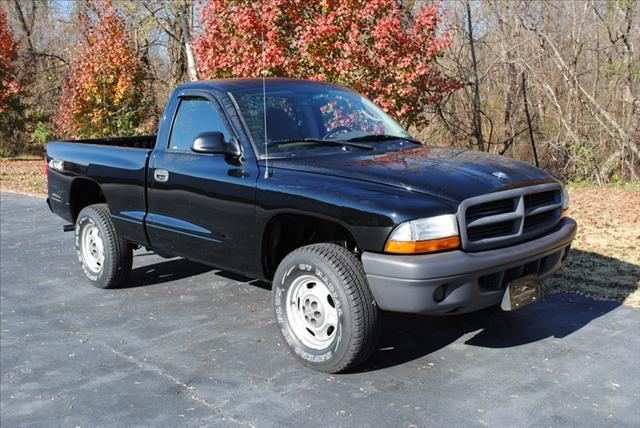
column 305, row 115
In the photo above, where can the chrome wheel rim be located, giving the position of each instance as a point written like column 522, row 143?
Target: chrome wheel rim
column 92, row 248
column 312, row 313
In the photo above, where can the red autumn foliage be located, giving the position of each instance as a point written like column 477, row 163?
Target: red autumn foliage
column 372, row 46
column 9, row 87
column 104, row 90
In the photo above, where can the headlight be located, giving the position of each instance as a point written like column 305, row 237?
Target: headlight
column 425, row 235
column 565, row 199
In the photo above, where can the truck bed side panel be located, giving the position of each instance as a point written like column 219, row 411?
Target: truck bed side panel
column 119, row 171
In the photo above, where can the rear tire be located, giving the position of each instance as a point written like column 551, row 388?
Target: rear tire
column 323, row 306
column 104, row 256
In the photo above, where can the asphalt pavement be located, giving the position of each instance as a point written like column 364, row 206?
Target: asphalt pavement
column 187, row 345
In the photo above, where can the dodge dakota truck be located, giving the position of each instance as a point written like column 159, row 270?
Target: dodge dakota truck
column 313, row 188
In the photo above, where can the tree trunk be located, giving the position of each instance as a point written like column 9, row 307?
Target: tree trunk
column 26, row 27
column 477, row 114
column 192, row 71
column 529, row 125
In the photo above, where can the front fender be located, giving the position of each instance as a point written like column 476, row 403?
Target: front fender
column 369, row 211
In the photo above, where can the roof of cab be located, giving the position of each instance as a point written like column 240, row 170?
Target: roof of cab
column 230, row 85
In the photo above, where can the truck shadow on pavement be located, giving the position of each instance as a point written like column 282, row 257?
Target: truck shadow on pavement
column 408, row 337
column 178, row 268
column 405, row 338
column 164, row 271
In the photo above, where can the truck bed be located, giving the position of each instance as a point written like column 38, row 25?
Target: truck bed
column 146, row 142
column 116, row 167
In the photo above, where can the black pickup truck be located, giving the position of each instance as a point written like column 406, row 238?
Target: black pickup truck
column 312, row 187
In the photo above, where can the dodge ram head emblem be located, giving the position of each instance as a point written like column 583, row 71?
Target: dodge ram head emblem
column 501, row 175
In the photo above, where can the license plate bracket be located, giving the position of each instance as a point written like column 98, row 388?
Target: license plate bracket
column 521, row 292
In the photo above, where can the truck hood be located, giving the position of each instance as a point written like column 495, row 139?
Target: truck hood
column 449, row 174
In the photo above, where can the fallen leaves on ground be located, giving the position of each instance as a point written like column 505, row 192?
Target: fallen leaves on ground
column 23, row 176
column 605, row 259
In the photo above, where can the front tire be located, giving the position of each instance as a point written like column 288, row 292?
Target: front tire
column 323, row 306
column 104, row 256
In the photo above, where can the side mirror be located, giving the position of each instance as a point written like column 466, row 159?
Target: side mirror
column 214, row 143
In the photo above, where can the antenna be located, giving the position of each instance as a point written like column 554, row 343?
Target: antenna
column 264, row 114
column 264, row 109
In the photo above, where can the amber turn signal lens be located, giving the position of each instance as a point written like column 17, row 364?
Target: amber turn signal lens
column 565, row 213
column 419, row 247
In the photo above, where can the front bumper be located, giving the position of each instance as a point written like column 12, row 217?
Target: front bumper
column 458, row 281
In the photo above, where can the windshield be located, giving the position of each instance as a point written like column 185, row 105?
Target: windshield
column 307, row 115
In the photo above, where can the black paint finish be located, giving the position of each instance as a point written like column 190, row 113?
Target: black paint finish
column 206, row 209
column 215, row 209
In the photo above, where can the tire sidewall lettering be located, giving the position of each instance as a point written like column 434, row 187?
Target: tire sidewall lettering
column 282, row 286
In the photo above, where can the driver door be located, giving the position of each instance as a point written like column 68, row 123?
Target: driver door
column 201, row 206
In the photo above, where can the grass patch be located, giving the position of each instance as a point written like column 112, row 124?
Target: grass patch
column 605, row 260
column 594, row 275
column 625, row 185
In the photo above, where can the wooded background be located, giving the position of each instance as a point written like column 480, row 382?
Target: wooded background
column 554, row 83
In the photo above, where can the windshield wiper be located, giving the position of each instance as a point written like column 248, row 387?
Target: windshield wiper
column 319, row 141
column 383, row 137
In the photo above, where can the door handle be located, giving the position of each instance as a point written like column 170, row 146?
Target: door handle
column 161, row 175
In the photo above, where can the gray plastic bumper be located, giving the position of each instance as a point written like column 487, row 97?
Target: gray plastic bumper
column 457, row 281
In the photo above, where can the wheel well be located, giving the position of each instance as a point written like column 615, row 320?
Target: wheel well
column 83, row 193
column 286, row 232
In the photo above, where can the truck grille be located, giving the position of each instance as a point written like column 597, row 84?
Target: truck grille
column 504, row 228
column 490, row 208
column 507, row 217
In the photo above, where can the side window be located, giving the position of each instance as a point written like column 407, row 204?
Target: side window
column 195, row 116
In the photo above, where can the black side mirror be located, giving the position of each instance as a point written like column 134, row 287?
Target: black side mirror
column 214, row 143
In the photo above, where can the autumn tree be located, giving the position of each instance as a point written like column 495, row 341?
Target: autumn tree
column 9, row 87
column 555, row 83
column 375, row 47
column 104, row 89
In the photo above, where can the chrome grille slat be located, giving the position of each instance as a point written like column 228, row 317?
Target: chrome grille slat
column 538, row 210
column 493, row 219
column 510, row 216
